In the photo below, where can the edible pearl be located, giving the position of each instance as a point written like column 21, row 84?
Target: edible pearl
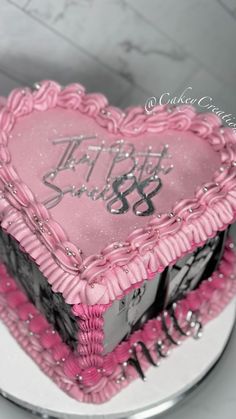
column 37, row 86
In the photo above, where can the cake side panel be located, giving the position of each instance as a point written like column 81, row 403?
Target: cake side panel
column 39, row 291
column 100, row 328
column 152, row 296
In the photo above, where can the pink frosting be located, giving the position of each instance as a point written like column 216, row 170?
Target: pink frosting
column 92, row 377
column 2, row 102
column 193, row 210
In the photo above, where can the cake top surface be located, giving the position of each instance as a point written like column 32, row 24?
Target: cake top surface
column 102, row 198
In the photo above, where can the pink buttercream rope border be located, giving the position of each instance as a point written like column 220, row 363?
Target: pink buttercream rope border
column 105, row 277
column 94, row 379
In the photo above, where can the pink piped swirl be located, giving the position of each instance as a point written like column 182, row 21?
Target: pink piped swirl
column 71, row 367
column 205, row 124
column 93, row 103
column 20, row 102
column 3, row 102
column 181, row 118
column 71, row 96
column 46, row 97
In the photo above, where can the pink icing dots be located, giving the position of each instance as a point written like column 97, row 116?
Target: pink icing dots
column 60, row 352
column 97, row 383
column 49, row 339
column 90, row 376
column 16, row 298
column 71, row 367
column 38, row 324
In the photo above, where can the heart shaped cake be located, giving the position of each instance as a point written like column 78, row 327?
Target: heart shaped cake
column 112, row 223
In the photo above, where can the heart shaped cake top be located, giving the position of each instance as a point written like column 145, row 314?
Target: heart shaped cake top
column 101, row 198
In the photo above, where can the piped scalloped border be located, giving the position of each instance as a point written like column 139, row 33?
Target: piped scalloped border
column 120, row 266
column 90, row 377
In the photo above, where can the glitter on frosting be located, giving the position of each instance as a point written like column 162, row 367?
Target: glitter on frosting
column 103, row 277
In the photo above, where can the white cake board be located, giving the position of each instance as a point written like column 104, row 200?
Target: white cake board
column 22, row 382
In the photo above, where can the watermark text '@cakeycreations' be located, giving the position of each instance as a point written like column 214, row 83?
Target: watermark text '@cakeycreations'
column 204, row 102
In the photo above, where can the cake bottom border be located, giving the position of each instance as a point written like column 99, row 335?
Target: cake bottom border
column 48, row 408
column 159, row 335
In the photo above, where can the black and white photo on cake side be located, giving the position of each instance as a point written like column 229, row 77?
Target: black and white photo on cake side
column 125, row 315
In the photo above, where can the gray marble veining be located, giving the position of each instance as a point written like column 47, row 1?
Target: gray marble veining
column 229, row 7
column 141, row 52
column 128, row 49
column 41, row 55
